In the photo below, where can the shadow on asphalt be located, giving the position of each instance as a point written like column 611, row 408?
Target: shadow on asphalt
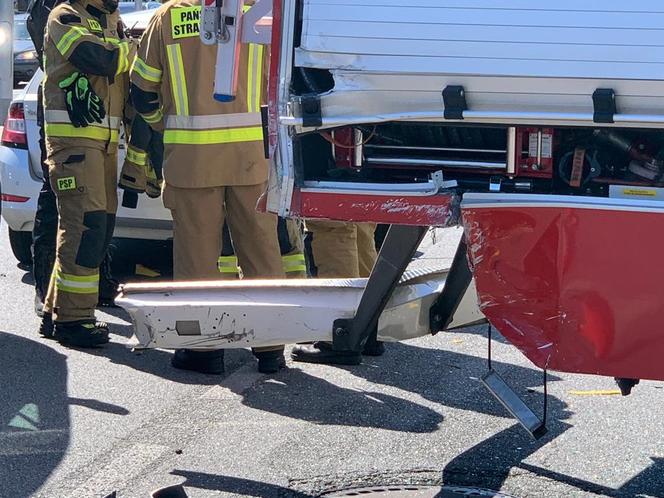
column 34, row 412
column 489, row 463
column 296, row 394
column 452, row 379
column 433, row 374
column 158, row 362
column 235, row 485
column 445, row 377
column 649, row 482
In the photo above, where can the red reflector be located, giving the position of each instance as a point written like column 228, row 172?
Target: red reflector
column 13, row 198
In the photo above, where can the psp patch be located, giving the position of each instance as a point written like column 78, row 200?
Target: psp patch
column 67, row 183
column 95, row 26
column 185, row 22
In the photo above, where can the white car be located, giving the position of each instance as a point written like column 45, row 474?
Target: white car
column 21, row 174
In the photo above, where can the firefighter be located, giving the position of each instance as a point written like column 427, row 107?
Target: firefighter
column 46, row 217
column 214, row 166
column 340, row 250
column 86, row 63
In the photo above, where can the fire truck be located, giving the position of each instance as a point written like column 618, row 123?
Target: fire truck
column 534, row 125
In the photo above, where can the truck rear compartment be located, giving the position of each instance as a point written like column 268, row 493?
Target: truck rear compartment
column 570, row 161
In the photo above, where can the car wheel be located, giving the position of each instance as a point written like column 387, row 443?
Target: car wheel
column 21, row 243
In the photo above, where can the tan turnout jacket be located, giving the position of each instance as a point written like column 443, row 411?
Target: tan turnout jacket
column 206, row 143
column 76, row 40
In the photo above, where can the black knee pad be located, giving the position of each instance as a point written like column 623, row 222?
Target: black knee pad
column 93, row 241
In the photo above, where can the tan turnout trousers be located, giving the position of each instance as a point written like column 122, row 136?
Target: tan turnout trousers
column 293, row 259
column 198, row 219
column 343, row 250
column 84, row 181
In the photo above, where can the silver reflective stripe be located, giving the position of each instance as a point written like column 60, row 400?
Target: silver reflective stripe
column 63, row 117
column 214, row 121
column 178, row 81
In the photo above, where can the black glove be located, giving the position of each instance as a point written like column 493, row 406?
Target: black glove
column 83, row 104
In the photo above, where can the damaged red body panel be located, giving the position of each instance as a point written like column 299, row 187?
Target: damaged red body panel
column 428, row 210
column 575, row 283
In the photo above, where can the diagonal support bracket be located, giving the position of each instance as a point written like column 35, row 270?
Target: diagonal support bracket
column 458, row 279
column 395, row 255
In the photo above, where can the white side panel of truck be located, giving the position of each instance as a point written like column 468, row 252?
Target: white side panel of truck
column 519, row 61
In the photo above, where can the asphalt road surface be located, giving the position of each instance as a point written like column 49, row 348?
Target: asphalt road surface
column 91, row 423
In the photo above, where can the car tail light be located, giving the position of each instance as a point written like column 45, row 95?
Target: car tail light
column 13, row 198
column 13, row 134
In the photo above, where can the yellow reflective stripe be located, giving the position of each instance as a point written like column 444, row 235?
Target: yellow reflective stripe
column 123, row 58
column 294, row 263
column 227, row 264
column 254, row 77
column 136, row 156
column 203, row 137
column 90, row 279
column 153, row 117
column 76, row 284
column 145, row 71
column 295, row 269
column 178, row 79
column 91, row 132
column 250, row 78
column 74, row 33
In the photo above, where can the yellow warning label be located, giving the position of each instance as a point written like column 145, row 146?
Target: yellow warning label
column 640, row 192
column 68, row 183
column 95, row 26
column 185, row 22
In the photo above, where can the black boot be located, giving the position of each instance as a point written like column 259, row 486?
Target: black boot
column 270, row 362
column 46, row 326
column 207, row 362
column 322, row 352
column 83, row 334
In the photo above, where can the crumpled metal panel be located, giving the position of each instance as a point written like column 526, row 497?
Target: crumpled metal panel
column 575, row 286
